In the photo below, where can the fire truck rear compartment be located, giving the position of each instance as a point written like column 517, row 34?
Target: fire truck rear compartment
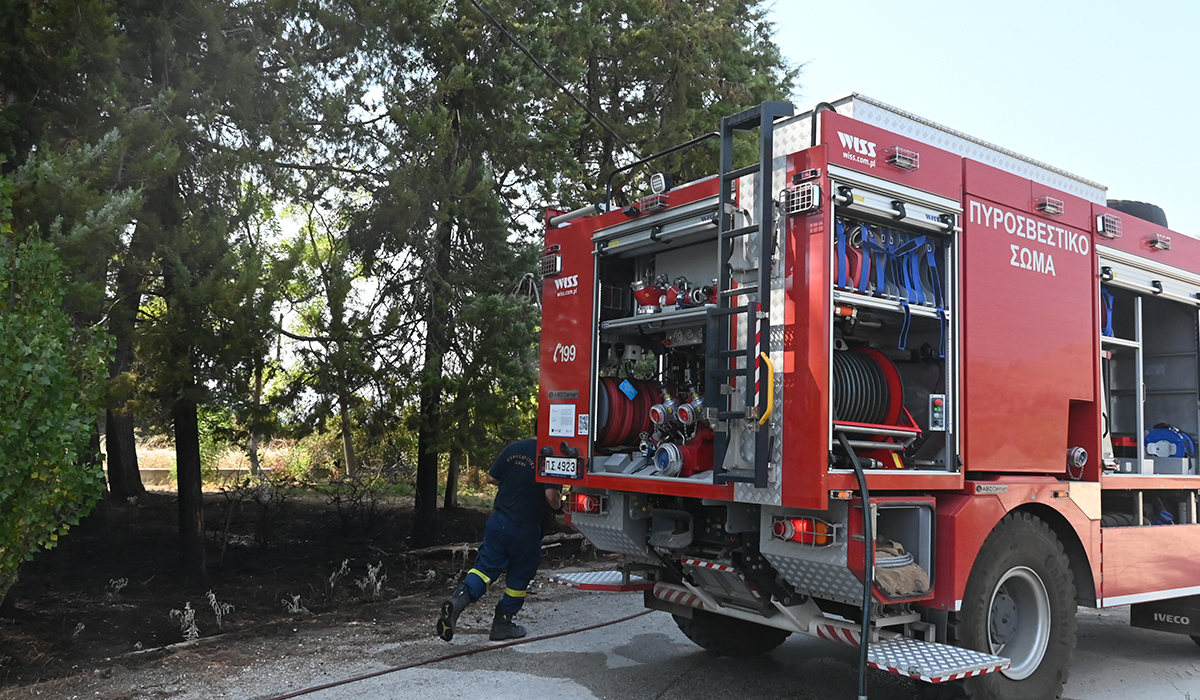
column 655, row 308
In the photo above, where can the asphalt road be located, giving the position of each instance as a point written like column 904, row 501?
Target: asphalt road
column 649, row 658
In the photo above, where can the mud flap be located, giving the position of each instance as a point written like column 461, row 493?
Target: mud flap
column 1179, row 615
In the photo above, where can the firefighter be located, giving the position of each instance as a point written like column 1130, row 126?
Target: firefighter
column 512, row 541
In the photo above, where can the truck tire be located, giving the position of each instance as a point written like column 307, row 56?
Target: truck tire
column 1020, row 604
column 1141, row 210
column 728, row 636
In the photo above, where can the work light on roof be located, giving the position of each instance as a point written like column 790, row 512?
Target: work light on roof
column 1158, row 241
column 1108, row 226
column 902, row 158
column 801, row 198
column 653, row 202
column 660, row 182
column 1050, row 206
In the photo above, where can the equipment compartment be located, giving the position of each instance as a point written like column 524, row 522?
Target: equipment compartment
column 891, row 391
column 656, row 283
column 1150, row 374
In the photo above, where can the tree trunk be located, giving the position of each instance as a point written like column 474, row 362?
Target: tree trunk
column 425, row 509
column 347, row 436
column 252, row 454
column 252, row 444
column 437, row 288
column 8, row 599
column 124, row 479
column 474, row 477
column 451, row 499
column 191, row 496
column 429, row 435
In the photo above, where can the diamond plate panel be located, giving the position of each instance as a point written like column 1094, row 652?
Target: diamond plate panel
column 615, row 530
column 770, row 496
column 896, row 120
column 930, row 661
column 793, row 134
column 820, row 571
column 744, row 252
column 601, row 581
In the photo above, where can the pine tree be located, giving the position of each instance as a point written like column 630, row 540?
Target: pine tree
column 486, row 135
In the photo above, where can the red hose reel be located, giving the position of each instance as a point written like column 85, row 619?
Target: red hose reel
column 621, row 420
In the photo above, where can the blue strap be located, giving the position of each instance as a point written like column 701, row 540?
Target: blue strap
column 893, row 272
column 864, row 273
column 885, row 271
column 1106, row 299
column 905, row 327
column 908, row 255
column 878, row 251
column 896, row 265
column 935, row 280
column 841, row 253
column 914, row 267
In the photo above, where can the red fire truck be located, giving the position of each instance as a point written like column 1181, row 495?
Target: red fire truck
column 885, row 382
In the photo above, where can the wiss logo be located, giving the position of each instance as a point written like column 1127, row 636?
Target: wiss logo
column 860, row 146
column 567, row 282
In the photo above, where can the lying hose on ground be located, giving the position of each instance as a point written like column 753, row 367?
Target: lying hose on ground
column 455, row 655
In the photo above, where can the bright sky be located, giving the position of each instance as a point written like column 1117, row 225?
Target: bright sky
column 1109, row 91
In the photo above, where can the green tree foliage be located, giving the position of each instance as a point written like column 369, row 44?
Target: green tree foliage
column 423, row 144
column 59, row 73
column 341, row 321
column 660, row 72
column 51, row 386
column 480, row 137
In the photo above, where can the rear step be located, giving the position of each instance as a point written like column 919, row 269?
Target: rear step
column 931, row 662
column 606, row 581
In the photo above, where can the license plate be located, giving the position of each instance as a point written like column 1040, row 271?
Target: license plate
column 561, row 466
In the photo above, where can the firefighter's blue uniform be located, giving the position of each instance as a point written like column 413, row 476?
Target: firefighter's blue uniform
column 512, row 542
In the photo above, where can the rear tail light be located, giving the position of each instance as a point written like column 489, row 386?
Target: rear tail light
column 810, row 531
column 586, row 503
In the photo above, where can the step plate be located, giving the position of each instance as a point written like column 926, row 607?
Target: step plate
column 931, row 662
column 607, row 581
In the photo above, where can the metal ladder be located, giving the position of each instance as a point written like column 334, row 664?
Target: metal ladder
column 754, row 316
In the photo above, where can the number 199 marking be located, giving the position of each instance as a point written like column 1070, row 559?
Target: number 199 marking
column 564, row 353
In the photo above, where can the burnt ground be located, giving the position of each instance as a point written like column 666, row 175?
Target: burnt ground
column 107, row 592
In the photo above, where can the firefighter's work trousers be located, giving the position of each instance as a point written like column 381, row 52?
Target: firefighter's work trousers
column 512, row 548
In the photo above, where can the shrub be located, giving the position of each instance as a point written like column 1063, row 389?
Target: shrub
column 50, row 396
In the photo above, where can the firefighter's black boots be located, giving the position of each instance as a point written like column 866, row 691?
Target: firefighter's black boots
column 452, row 607
column 503, row 628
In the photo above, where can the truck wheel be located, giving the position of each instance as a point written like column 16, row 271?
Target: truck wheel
column 1020, row 604
column 728, row 636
